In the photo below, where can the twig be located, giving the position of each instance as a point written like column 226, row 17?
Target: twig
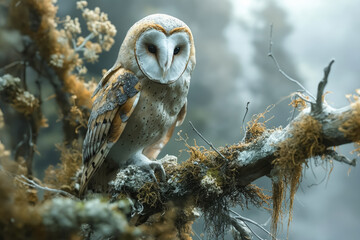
column 316, row 184
column 209, row 143
column 340, row 158
column 252, row 231
column 317, row 108
column 10, row 65
column 299, row 95
column 271, row 55
column 243, row 121
column 32, row 183
column 89, row 37
column 197, row 235
column 242, row 228
column 244, row 219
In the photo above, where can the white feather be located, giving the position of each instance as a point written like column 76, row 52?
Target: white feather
column 163, row 66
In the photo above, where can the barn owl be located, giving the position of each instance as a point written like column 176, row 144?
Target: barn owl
column 139, row 101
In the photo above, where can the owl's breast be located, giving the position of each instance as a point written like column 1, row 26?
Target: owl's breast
column 156, row 111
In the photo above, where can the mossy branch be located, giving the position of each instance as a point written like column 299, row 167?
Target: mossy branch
column 206, row 181
column 251, row 160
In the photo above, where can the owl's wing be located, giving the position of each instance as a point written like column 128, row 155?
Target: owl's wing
column 153, row 150
column 115, row 99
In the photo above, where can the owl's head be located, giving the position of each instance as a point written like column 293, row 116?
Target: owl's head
column 160, row 46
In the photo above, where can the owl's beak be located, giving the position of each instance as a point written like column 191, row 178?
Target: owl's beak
column 165, row 71
column 165, row 61
column 166, row 67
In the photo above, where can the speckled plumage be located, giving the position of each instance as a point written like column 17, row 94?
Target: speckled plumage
column 136, row 106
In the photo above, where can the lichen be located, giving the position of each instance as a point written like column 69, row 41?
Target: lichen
column 21, row 100
column 66, row 215
column 210, row 184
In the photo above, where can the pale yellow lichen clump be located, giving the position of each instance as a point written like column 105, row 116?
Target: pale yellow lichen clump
column 23, row 101
column 72, row 26
column 100, row 28
column 57, row 60
column 210, row 184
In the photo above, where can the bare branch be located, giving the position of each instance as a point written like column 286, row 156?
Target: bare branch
column 242, row 228
column 209, row 143
column 81, row 46
column 32, row 183
column 299, row 95
column 340, row 158
column 317, row 107
column 10, row 65
column 244, row 219
column 243, row 121
column 271, row 55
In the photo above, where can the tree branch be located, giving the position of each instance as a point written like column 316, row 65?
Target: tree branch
column 205, row 179
column 317, row 107
column 251, row 161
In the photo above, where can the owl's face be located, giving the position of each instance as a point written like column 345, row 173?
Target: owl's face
column 163, row 56
column 160, row 47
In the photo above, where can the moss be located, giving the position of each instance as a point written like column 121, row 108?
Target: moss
column 298, row 103
column 305, row 142
column 63, row 176
column 255, row 128
column 174, row 223
column 19, row 218
column 351, row 127
column 278, row 190
column 230, row 192
column 149, row 194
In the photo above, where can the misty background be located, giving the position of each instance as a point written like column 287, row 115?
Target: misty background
column 232, row 43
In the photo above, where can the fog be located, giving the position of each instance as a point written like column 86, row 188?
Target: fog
column 232, row 43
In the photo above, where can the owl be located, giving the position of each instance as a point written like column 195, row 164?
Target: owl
column 139, row 101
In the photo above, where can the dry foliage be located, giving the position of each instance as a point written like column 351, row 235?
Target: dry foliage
column 63, row 176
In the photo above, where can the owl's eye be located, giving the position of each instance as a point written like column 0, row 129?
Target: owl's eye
column 176, row 50
column 151, row 48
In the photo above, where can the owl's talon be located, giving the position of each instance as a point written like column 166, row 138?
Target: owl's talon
column 159, row 166
column 149, row 166
column 152, row 174
column 152, row 167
